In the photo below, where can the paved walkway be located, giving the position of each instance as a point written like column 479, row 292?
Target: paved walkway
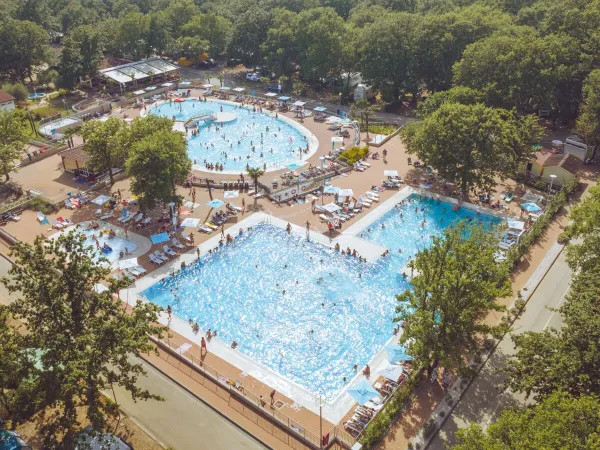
column 484, row 401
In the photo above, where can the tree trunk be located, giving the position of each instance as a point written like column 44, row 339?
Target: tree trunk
column 7, row 176
column 367, row 123
column 255, row 190
column 209, row 191
column 110, row 175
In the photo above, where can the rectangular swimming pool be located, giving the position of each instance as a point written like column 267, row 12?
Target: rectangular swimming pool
column 298, row 307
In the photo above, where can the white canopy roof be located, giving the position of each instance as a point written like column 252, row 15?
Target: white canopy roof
column 331, row 207
column 298, row 103
column 271, row 94
column 239, row 89
column 140, row 92
column 337, row 139
column 140, row 69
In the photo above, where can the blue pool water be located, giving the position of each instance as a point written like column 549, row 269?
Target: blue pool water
column 116, row 243
column 278, row 146
column 315, row 332
column 38, row 95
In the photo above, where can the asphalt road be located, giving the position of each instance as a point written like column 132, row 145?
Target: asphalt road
column 484, row 399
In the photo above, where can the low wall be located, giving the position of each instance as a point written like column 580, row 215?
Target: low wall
column 387, row 138
column 34, row 158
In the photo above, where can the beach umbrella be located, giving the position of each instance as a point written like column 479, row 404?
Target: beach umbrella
column 128, row 263
column 179, row 100
column 160, row 238
column 207, row 85
column 390, row 173
column 331, row 207
column 295, row 165
column 391, row 371
column 516, row 224
column 101, row 199
column 397, row 353
column 345, row 193
column 362, row 392
column 230, row 194
column 216, row 203
column 329, row 189
column 530, row 207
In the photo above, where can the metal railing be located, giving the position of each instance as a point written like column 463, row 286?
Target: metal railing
column 229, row 390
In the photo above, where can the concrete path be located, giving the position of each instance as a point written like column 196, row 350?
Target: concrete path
column 182, row 421
column 484, row 400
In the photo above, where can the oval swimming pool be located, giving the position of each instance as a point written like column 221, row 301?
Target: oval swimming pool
column 238, row 137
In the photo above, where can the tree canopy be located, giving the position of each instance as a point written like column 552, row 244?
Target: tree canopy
column 83, row 339
column 101, row 144
column 13, row 137
column 456, row 282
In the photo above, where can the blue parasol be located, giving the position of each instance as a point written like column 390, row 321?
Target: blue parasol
column 295, row 165
column 397, row 353
column 216, row 203
column 159, row 238
column 329, row 189
column 530, row 207
column 362, row 392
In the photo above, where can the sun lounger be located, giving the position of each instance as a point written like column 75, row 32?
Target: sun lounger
column 211, row 225
column 56, row 224
column 134, row 271
column 177, row 244
column 323, row 218
column 186, row 237
column 364, row 163
column 69, row 205
column 65, row 222
column 205, row 229
column 251, row 192
column 156, row 260
column 236, row 207
column 140, row 269
column 160, row 255
column 169, row 251
column 129, row 274
column 107, row 216
column 372, row 196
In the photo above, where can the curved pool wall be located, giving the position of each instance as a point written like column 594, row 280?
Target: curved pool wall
column 275, row 162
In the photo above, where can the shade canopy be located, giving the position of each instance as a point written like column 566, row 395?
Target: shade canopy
column 159, row 238
column 346, row 193
column 391, row 371
column 239, row 89
column 319, row 109
column 140, row 92
column 190, row 222
column 397, row 353
column 362, row 392
column 216, row 203
column 516, row 224
column 224, row 88
column 331, row 207
column 295, row 165
column 231, row 194
column 128, row 263
column 168, row 84
column 150, row 88
column 337, row 139
column 390, row 173
column 330, row 189
column 284, row 98
column 298, row 103
column 531, row 207
column 101, row 199
column 271, row 94
column 185, row 83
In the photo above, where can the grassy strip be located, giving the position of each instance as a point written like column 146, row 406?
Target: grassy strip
column 379, row 426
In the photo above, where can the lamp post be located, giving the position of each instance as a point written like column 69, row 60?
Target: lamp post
column 65, row 105
column 173, row 218
column 552, row 177
column 320, row 402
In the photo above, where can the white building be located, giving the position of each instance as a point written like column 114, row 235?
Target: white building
column 7, row 101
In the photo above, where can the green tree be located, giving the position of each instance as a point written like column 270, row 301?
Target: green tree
column 23, row 46
column 249, row 32
column 588, row 122
column 456, row 283
column 216, row 30
column 255, row 173
column 81, row 55
column 365, row 110
column 279, row 48
column 472, row 144
column 85, row 338
column 133, row 33
column 192, row 47
column 13, row 137
column 583, row 252
column 558, row 422
column 17, row 90
column 458, row 94
column 158, row 164
column 102, row 147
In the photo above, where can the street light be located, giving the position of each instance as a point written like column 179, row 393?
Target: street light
column 320, row 402
column 552, row 177
column 173, row 218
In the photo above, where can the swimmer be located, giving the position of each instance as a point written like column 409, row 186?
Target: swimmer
column 383, row 225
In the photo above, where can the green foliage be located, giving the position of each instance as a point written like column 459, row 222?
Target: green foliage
column 456, row 283
column 255, row 173
column 588, row 121
column 215, row 30
column 584, row 253
column 354, row 154
column 472, row 144
column 158, row 164
column 558, row 422
column 458, row 94
column 40, row 204
column 103, row 146
column 17, row 90
column 46, row 111
column 13, row 137
column 80, row 56
column 84, row 339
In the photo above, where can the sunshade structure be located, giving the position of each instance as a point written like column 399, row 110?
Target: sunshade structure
column 298, row 103
column 101, row 199
column 391, row 371
column 319, row 109
column 295, row 165
column 216, row 203
column 185, row 83
column 239, row 89
column 284, row 98
column 129, row 73
column 159, row 238
column 335, row 139
column 231, row 194
column 150, row 88
column 346, row 193
column 225, row 88
column 362, row 392
column 331, row 207
column 168, row 84
column 128, row 263
column 207, row 86
column 271, row 94
column 140, row 92
column 390, row 173
column 516, row 224
column 530, row 207
column 397, row 353
column 190, row 222
column 329, row 189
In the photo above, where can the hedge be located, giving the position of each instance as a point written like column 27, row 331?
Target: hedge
column 384, row 418
column 354, row 154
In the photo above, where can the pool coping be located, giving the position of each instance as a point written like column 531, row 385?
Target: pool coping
column 312, row 140
column 335, row 409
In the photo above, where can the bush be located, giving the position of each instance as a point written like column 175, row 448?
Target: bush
column 429, row 428
column 17, row 90
column 46, row 111
column 563, row 238
column 40, row 204
column 381, row 129
column 354, row 154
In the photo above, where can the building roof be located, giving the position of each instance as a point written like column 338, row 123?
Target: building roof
column 542, row 156
column 568, row 162
column 5, row 97
column 138, row 69
column 77, row 154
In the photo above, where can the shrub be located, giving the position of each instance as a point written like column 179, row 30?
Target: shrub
column 381, row 129
column 520, row 304
column 46, row 111
column 40, row 204
column 563, row 238
column 429, row 428
column 354, row 154
column 17, row 90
